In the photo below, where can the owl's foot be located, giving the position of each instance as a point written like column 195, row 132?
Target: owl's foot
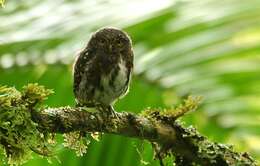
column 109, row 111
column 79, row 105
column 112, row 112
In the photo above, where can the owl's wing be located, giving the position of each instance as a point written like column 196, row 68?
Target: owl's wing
column 129, row 63
column 79, row 68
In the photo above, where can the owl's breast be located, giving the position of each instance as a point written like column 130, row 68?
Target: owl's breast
column 114, row 84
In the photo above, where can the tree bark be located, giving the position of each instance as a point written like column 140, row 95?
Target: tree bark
column 168, row 136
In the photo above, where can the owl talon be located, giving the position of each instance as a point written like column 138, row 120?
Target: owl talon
column 113, row 112
column 110, row 112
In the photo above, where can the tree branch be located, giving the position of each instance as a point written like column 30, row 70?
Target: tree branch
column 26, row 125
column 185, row 143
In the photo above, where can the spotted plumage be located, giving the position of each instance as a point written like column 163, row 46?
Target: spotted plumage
column 102, row 70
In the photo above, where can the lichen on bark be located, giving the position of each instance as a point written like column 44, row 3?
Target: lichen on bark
column 76, row 141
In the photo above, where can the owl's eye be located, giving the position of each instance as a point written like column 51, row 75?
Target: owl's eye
column 102, row 41
column 119, row 43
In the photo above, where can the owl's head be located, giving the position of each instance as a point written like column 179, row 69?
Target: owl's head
column 110, row 41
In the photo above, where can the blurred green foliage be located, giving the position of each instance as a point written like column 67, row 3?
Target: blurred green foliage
column 2, row 2
column 208, row 48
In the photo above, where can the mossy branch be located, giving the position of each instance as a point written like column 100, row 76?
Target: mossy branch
column 26, row 126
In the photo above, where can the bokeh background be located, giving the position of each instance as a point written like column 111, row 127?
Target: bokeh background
column 209, row 48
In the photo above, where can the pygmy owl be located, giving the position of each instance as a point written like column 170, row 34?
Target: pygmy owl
column 102, row 70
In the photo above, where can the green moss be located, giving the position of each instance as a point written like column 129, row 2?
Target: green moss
column 34, row 94
column 18, row 133
column 76, row 141
column 171, row 114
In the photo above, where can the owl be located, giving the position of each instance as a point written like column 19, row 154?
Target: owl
column 102, row 70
